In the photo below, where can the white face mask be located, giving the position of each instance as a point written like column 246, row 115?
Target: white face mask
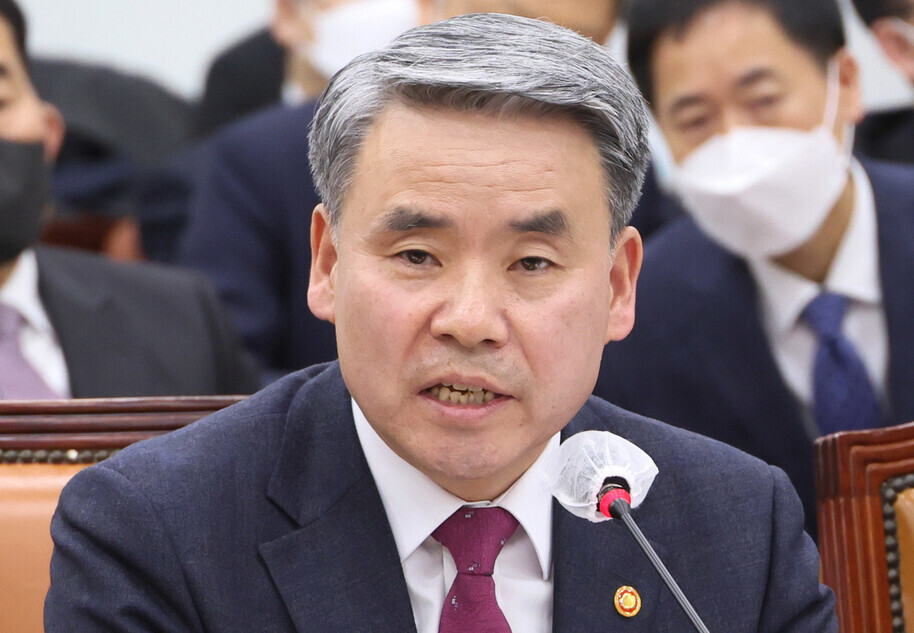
column 764, row 191
column 348, row 30
column 904, row 28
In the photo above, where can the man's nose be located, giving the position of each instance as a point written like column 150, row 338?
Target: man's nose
column 732, row 118
column 472, row 311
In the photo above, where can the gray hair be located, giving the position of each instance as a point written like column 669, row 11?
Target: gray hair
column 491, row 63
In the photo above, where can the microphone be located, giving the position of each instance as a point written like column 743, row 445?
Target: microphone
column 600, row 476
column 615, row 502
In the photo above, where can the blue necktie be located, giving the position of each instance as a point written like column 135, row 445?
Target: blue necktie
column 843, row 396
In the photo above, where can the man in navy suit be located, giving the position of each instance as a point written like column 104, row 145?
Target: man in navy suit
column 471, row 248
column 757, row 102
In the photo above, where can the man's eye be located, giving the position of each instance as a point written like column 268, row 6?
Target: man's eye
column 691, row 124
column 532, row 264
column 764, row 101
column 416, row 257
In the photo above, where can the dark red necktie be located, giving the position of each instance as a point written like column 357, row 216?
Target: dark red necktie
column 474, row 537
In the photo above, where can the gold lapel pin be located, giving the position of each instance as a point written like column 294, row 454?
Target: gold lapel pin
column 627, row 601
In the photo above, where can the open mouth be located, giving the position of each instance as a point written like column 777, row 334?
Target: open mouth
column 462, row 394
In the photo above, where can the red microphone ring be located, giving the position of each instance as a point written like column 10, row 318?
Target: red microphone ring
column 610, row 496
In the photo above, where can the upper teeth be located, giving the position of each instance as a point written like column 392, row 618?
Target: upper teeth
column 462, row 394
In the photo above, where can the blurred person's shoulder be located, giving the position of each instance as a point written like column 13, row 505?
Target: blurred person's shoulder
column 90, row 270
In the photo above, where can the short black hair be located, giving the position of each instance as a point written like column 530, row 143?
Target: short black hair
column 11, row 12
column 872, row 10
column 814, row 25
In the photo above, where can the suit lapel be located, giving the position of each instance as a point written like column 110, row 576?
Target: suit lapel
column 339, row 571
column 591, row 561
column 98, row 343
column 895, row 218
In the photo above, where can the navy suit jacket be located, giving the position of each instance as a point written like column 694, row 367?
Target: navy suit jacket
column 249, row 232
column 244, row 78
column 139, row 330
column 887, row 135
column 699, row 358
column 266, row 517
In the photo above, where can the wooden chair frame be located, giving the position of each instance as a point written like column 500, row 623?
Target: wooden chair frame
column 42, row 444
column 89, row 430
column 858, row 476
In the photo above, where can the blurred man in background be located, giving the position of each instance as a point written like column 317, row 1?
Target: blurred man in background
column 306, row 43
column 249, row 218
column 77, row 325
column 781, row 308
column 889, row 134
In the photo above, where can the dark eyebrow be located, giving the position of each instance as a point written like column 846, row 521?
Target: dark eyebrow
column 754, row 76
column 746, row 80
column 686, row 101
column 552, row 223
column 401, row 220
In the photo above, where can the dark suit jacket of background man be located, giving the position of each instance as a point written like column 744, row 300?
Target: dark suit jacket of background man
column 139, row 330
column 887, row 135
column 699, row 357
column 265, row 517
column 244, row 78
column 249, row 232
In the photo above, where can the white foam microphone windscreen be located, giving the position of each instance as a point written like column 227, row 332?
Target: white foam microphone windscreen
column 576, row 472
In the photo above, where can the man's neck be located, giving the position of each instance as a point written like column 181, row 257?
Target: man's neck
column 304, row 75
column 813, row 259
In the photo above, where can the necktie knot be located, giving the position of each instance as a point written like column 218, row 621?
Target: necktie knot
column 475, row 536
column 825, row 313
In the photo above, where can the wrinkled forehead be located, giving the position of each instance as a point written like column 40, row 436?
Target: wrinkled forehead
column 447, row 160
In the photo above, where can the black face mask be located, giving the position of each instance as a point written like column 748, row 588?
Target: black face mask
column 25, row 188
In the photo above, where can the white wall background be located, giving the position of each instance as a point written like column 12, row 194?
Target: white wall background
column 173, row 41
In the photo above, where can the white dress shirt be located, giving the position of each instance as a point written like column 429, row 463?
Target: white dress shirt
column 416, row 506
column 37, row 338
column 854, row 273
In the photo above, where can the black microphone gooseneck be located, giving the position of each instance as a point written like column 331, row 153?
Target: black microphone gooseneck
column 616, row 497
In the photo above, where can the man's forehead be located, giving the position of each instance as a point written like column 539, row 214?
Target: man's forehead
column 749, row 46
column 422, row 168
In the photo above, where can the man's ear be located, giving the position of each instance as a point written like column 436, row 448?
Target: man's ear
column 54, row 130
column 850, row 104
column 321, row 286
column 627, row 256
column 895, row 46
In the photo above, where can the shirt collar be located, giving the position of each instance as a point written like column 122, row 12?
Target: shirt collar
column 416, row 506
column 854, row 272
column 21, row 292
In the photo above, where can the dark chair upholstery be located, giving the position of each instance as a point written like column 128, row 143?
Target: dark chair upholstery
column 42, row 445
column 865, row 498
